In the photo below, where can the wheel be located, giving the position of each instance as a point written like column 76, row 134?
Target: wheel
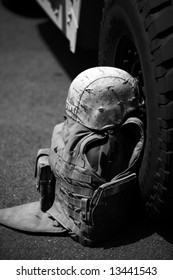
column 136, row 35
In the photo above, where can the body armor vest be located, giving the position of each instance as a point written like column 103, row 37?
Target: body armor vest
column 86, row 204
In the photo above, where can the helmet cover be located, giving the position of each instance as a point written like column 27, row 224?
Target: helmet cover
column 101, row 97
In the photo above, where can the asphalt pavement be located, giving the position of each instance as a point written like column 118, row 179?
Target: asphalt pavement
column 36, row 68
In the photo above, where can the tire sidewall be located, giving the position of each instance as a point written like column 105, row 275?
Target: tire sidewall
column 126, row 13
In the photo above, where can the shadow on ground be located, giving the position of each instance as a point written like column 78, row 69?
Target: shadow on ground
column 24, row 8
column 165, row 230
column 130, row 233
column 140, row 229
column 72, row 63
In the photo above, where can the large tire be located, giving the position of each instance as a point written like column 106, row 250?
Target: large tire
column 136, row 35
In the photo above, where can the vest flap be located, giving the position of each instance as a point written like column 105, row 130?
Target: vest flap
column 29, row 217
column 112, row 188
column 111, row 201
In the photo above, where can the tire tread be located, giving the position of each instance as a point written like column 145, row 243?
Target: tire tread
column 157, row 18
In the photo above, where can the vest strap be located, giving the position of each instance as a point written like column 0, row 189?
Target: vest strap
column 57, row 213
column 71, row 159
column 83, row 191
column 41, row 153
column 73, row 174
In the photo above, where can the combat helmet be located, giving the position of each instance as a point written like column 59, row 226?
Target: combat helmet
column 101, row 97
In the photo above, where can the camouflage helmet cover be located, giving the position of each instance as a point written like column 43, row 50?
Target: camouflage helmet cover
column 101, row 97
